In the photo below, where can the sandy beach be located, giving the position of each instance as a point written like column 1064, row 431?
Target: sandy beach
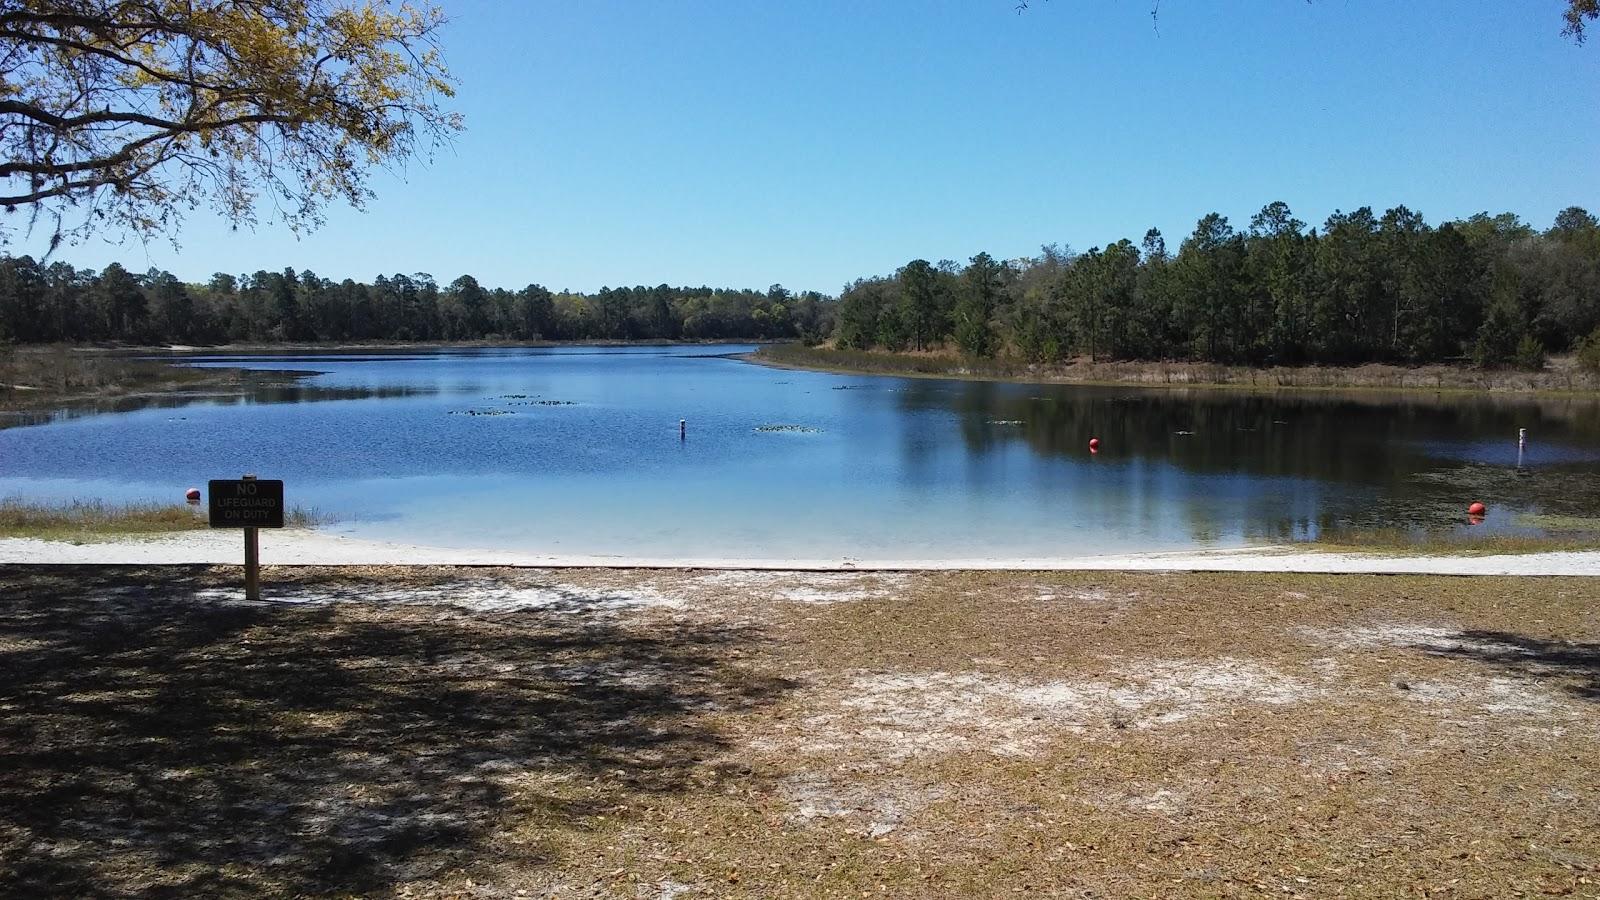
column 300, row 547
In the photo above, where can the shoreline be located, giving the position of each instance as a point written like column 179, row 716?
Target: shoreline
column 1180, row 376
column 359, row 346
column 109, row 373
column 169, row 380
column 299, row 547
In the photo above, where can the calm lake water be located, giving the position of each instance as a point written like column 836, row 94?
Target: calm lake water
column 576, row 450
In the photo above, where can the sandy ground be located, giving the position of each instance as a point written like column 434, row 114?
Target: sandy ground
column 417, row 732
column 311, row 548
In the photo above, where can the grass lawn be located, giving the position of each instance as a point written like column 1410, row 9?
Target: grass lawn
column 477, row 732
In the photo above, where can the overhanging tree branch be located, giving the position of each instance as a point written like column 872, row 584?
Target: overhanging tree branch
column 131, row 112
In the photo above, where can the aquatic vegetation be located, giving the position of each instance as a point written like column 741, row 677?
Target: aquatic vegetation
column 1423, row 541
column 84, row 519
column 537, row 402
column 1555, row 523
column 1556, row 491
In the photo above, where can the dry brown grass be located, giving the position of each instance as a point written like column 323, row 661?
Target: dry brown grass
column 436, row 732
column 88, row 520
column 1562, row 376
column 33, row 377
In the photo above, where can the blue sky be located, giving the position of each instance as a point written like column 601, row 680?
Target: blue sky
column 808, row 143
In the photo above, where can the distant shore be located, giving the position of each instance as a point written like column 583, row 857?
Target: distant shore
column 35, row 377
column 1562, row 376
column 357, row 346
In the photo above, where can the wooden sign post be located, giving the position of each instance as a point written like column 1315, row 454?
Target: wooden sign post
column 251, row 504
column 252, row 559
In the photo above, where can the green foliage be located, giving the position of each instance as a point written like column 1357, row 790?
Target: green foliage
column 1037, row 340
column 917, row 322
column 133, row 113
column 1589, row 351
column 858, row 316
column 1529, row 354
column 893, row 332
column 1361, row 288
column 57, row 303
column 980, row 292
column 1498, row 337
column 1577, row 15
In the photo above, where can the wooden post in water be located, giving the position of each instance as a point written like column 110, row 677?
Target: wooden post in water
column 683, row 429
column 252, row 559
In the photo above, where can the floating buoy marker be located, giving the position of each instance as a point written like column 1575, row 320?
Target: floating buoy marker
column 1477, row 508
column 1094, row 444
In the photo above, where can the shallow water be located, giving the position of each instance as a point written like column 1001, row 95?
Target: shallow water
column 575, row 450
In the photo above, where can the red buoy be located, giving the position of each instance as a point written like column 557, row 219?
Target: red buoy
column 1477, row 509
column 1094, row 443
column 192, row 495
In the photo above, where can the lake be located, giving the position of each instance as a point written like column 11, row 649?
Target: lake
column 576, row 450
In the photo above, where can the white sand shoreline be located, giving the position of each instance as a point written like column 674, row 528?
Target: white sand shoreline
column 312, row 548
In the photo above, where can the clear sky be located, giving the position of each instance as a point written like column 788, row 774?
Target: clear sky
column 751, row 142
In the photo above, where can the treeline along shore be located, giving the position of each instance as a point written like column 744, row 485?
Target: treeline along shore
column 1363, row 288
column 53, row 303
column 1489, row 291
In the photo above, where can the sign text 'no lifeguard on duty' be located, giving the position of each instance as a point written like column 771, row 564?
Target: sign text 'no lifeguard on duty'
column 246, row 503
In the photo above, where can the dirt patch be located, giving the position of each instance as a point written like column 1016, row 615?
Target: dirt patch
column 799, row 587
column 1527, row 702
column 891, row 717
column 874, row 807
column 1410, row 635
column 431, row 732
column 472, row 594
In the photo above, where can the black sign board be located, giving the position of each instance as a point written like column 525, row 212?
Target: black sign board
column 246, row 503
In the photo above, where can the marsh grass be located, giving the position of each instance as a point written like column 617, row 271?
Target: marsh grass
column 1555, row 523
column 41, row 376
column 86, row 519
column 1560, row 378
column 1410, row 542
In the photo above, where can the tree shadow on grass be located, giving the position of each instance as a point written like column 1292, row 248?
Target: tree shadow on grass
column 1579, row 662
column 155, row 744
